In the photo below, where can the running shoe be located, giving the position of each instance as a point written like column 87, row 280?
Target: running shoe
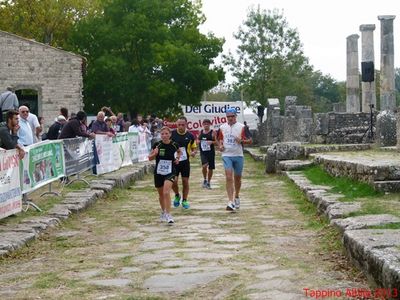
column 163, row 217
column 185, row 204
column 169, row 219
column 208, row 187
column 177, row 200
column 237, row 203
column 230, row 206
column 205, row 184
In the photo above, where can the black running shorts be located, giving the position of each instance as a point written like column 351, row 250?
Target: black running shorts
column 208, row 157
column 183, row 168
column 159, row 179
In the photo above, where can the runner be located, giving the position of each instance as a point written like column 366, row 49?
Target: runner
column 231, row 139
column 187, row 144
column 207, row 139
column 164, row 152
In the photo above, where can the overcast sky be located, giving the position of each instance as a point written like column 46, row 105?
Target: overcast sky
column 323, row 26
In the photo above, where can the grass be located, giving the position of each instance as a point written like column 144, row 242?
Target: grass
column 350, row 189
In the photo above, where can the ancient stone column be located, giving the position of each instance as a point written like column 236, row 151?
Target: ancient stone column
column 368, row 89
column 387, row 89
column 353, row 77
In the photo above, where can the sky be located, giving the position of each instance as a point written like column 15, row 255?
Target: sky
column 323, row 26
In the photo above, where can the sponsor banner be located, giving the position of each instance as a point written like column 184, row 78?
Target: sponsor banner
column 133, row 140
column 10, row 188
column 78, row 155
column 143, row 149
column 116, row 152
column 214, row 111
column 42, row 164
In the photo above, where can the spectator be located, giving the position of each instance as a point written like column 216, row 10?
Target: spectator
column 55, row 129
column 107, row 111
column 41, row 123
column 135, row 126
column 109, row 125
column 120, row 123
column 99, row 126
column 73, row 127
column 8, row 133
column 114, row 125
column 8, row 101
column 64, row 112
column 25, row 135
column 34, row 123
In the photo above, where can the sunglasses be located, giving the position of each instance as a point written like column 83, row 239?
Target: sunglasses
column 230, row 116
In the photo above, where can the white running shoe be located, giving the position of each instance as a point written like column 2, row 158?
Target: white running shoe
column 163, row 217
column 230, row 206
column 237, row 203
column 169, row 219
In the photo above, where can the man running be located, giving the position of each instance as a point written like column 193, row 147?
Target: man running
column 231, row 139
column 207, row 139
column 187, row 144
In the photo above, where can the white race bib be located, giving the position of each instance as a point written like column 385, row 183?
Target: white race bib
column 183, row 154
column 230, row 140
column 205, row 146
column 164, row 167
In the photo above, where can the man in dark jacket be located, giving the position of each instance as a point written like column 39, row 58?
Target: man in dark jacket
column 55, row 129
column 8, row 133
column 73, row 127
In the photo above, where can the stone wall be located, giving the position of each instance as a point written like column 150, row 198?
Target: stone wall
column 55, row 74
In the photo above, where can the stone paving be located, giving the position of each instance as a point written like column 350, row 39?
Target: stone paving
column 119, row 249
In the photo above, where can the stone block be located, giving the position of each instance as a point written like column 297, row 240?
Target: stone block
column 341, row 209
column 363, row 222
column 386, row 129
column 289, row 165
column 288, row 151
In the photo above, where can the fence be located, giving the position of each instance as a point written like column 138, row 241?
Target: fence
column 48, row 161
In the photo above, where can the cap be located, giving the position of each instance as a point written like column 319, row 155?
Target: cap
column 231, row 110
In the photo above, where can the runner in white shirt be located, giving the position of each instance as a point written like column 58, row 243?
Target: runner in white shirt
column 231, row 139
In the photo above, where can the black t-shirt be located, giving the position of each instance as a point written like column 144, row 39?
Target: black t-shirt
column 185, row 140
column 206, row 137
column 165, row 156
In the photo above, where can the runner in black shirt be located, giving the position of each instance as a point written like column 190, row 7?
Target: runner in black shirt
column 164, row 152
column 207, row 140
column 188, row 147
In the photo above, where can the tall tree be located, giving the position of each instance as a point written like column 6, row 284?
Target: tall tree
column 269, row 62
column 147, row 55
column 46, row 21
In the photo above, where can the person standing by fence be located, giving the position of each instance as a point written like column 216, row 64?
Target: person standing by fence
column 8, row 133
column 8, row 101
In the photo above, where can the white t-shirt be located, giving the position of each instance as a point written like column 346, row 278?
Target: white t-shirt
column 229, row 132
column 34, row 123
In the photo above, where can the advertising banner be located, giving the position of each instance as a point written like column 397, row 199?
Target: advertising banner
column 78, row 155
column 133, row 140
column 10, row 188
column 143, row 149
column 42, row 164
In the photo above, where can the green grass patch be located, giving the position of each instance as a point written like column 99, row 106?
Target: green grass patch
column 349, row 188
column 386, row 226
column 48, row 281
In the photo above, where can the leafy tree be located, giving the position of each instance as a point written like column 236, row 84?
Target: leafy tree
column 269, row 61
column 147, row 55
column 47, row 21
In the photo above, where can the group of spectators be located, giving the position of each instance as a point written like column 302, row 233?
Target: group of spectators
column 20, row 127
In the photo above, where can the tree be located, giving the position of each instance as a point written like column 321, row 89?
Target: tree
column 147, row 55
column 46, row 21
column 270, row 62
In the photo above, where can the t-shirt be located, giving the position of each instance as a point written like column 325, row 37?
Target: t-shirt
column 227, row 134
column 165, row 158
column 186, row 143
column 203, row 138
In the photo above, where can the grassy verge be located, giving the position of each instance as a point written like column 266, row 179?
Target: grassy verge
column 350, row 189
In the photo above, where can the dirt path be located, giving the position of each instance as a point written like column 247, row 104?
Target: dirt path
column 119, row 249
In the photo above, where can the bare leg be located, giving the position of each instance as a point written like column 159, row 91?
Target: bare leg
column 210, row 174
column 160, row 198
column 175, row 187
column 166, row 190
column 204, row 171
column 229, row 184
column 238, row 184
column 185, row 187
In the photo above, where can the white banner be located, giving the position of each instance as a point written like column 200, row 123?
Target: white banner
column 143, row 149
column 214, row 111
column 10, row 189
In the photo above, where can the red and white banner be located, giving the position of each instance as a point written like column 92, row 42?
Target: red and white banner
column 10, row 188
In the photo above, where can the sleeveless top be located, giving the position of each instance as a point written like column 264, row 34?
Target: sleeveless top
column 203, row 137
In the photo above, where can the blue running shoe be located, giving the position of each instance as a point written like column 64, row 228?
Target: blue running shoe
column 185, row 204
column 177, row 200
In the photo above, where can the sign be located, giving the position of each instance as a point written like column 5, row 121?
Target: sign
column 10, row 189
column 78, row 155
column 42, row 164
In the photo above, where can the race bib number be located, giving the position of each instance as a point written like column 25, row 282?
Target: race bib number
column 230, row 140
column 164, row 167
column 183, row 154
column 205, row 146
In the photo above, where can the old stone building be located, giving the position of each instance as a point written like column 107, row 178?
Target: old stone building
column 43, row 76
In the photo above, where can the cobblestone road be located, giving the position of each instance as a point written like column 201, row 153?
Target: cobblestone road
column 119, row 249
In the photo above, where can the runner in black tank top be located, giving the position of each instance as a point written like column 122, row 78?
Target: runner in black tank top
column 206, row 141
